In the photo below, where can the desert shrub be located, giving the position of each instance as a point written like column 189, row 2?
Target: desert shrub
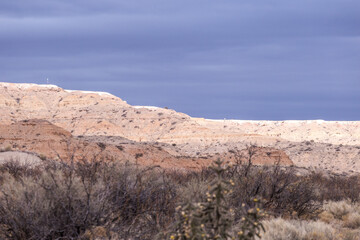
column 6, row 149
column 338, row 209
column 121, row 148
column 51, row 206
column 101, row 145
column 317, row 230
column 283, row 192
column 145, row 205
column 337, row 188
column 92, row 198
column 68, row 200
column 212, row 219
column 352, row 220
column 193, row 191
column 96, row 233
column 326, row 217
column 18, row 170
column 280, row 229
column 347, row 234
column 138, row 155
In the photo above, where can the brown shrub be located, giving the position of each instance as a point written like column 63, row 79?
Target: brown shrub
column 338, row 209
column 326, row 217
column 352, row 220
column 280, row 229
column 70, row 200
column 66, row 200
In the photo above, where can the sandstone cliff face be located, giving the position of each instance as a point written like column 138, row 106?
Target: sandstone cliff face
column 93, row 114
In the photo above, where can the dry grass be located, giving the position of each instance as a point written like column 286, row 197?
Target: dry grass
column 352, row 220
column 326, row 217
column 347, row 234
column 280, row 229
column 339, row 209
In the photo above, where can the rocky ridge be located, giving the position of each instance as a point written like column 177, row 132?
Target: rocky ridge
column 105, row 117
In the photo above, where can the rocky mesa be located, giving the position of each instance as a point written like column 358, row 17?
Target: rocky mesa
column 101, row 121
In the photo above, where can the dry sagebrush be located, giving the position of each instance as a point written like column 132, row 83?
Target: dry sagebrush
column 66, row 200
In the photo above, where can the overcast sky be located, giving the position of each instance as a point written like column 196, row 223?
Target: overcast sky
column 234, row 59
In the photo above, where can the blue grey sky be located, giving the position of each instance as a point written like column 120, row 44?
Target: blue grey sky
column 234, row 59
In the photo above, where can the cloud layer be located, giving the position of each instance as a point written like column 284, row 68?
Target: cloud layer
column 215, row 59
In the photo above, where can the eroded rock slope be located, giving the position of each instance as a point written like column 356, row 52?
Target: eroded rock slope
column 104, row 117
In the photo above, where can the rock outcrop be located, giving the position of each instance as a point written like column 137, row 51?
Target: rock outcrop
column 50, row 141
column 98, row 115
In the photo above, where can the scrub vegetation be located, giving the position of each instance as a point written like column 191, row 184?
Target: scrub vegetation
column 110, row 200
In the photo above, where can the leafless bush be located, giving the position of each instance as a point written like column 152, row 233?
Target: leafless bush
column 71, row 200
column 337, row 188
column 282, row 191
column 17, row 170
column 66, row 200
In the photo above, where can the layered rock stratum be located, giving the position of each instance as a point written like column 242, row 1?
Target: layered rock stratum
column 163, row 136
